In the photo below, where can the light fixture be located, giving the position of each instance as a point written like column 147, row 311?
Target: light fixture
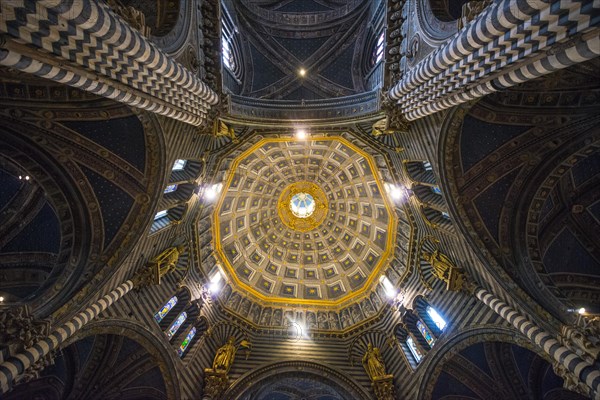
column 211, row 192
column 389, row 288
column 301, row 134
column 579, row 311
column 396, row 192
column 215, row 282
column 1, row 299
column 302, row 72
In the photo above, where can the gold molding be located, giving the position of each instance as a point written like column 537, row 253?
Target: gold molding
column 312, row 221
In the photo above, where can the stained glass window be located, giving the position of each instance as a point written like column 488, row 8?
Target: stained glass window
column 160, row 214
column 186, row 341
column 436, row 318
column 414, row 349
column 436, row 190
column 176, row 325
column 425, row 332
column 165, row 310
column 170, row 188
column 445, row 215
column 427, row 166
column 179, row 165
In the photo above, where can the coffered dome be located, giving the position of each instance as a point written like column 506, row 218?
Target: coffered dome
column 303, row 221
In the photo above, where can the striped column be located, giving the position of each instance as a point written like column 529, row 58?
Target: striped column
column 512, row 41
column 84, row 44
column 578, row 367
column 14, row 366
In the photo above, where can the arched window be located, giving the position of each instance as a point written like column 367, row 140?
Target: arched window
column 436, row 318
column 420, row 171
column 166, row 217
column 170, row 188
column 186, row 342
column 165, row 310
column 427, row 335
column 378, row 49
column 227, row 54
column 179, row 165
column 160, row 214
column 176, row 325
column 414, row 349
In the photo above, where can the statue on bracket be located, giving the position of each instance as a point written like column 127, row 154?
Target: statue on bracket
column 216, row 379
column 166, row 262
column 382, row 383
column 225, row 356
column 373, row 363
column 441, row 266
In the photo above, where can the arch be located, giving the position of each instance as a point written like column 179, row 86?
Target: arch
column 420, row 305
column 435, row 30
column 168, row 217
column 160, row 16
column 183, row 299
column 451, row 346
column 514, row 197
column 192, row 170
column 180, row 194
column 254, row 380
column 158, row 349
column 430, row 195
column 436, row 218
column 419, row 171
column 446, row 10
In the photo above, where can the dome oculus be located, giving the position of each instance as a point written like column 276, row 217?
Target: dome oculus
column 302, row 205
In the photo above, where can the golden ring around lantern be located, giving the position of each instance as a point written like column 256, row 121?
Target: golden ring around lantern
column 313, row 220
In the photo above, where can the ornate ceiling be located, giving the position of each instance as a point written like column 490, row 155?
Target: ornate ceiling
column 325, row 258
column 329, row 39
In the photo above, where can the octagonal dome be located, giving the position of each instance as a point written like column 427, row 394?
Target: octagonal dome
column 303, row 222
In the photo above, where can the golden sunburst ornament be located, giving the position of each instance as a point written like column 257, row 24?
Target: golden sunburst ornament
column 302, row 206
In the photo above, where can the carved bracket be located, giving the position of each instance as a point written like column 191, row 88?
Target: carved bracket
column 18, row 327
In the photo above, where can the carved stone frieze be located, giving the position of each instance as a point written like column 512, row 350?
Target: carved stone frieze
column 384, row 387
column 134, row 17
column 583, row 340
column 396, row 121
column 470, row 11
column 18, row 326
column 34, row 371
column 215, row 384
column 571, row 382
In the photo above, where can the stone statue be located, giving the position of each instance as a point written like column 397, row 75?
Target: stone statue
column 225, row 356
column 166, row 261
column 373, row 363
